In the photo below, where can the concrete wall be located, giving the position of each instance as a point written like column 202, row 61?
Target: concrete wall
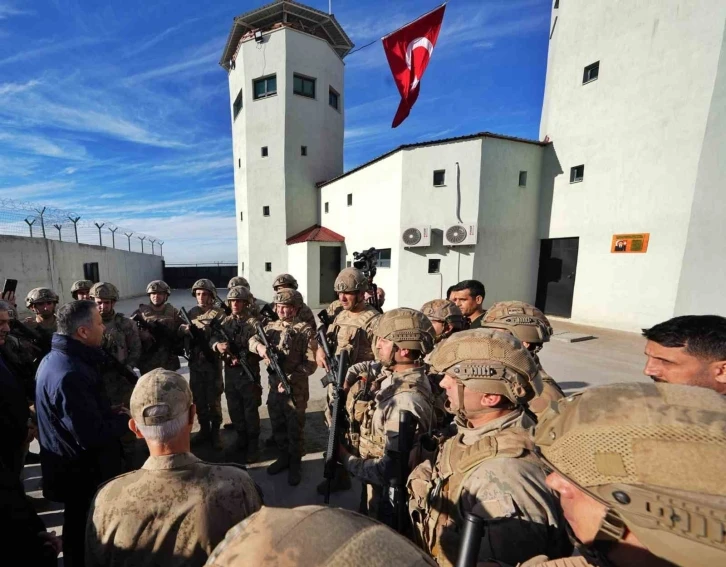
column 639, row 131
column 297, row 265
column 36, row 262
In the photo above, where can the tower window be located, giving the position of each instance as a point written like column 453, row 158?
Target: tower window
column 434, row 266
column 303, row 86
column 333, row 98
column 577, row 173
column 303, row 150
column 327, row 208
column 350, row 199
column 266, row 211
column 522, row 178
column 439, row 177
column 241, row 216
column 384, row 258
column 237, row 106
column 264, row 87
column 268, row 266
column 591, row 72
column 239, row 163
column 264, row 151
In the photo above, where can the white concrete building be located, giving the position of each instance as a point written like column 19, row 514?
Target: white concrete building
column 614, row 219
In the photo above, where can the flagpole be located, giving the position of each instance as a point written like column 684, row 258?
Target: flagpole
column 416, row 20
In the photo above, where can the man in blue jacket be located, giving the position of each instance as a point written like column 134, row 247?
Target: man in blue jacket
column 79, row 432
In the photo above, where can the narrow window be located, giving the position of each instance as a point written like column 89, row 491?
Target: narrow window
column 241, row 216
column 522, row 178
column 237, row 106
column 327, row 209
column 264, row 151
column 303, row 150
column 265, row 211
column 303, row 86
column 577, row 173
column 264, row 87
column 591, row 72
column 350, row 199
column 434, row 266
column 239, row 163
column 384, row 258
column 268, row 266
column 333, row 98
column 439, row 177
column 557, row 4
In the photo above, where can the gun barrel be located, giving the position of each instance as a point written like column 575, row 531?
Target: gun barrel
column 470, row 541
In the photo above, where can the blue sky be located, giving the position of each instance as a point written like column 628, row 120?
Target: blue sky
column 120, row 112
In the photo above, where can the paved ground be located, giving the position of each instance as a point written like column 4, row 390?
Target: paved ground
column 612, row 356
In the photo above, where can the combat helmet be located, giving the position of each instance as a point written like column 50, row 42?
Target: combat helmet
column 405, row 328
column 314, row 535
column 158, row 286
column 40, row 295
column 523, row 320
column 653, row 454
column 285, row 280
column 445, row 311
column 206, row 285
column 104, row 290
column 239, row 292
column 350, row 280
column 488, row 362
column 288, row 296
column 80, row 285
column 238, row 280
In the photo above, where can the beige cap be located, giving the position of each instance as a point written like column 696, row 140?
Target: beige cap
column 160, row 388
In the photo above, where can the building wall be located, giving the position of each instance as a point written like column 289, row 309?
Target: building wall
column 297, row 265
column 36, row 262
column 639, row 130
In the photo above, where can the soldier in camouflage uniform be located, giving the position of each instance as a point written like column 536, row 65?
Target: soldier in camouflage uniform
column 286, row 281
column 205, row 373
column 294, row 340
column 242, row 388
column 489, row 467
column 120, row 340
column 253, row 309
column 81, row 289
column 160, row 351
column 640, row 470
column 43, row 302
column 375, row 402
column 532, row 327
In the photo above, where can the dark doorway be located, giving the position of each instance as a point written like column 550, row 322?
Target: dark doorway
column 90, row 272
column 556, row 279
column 183, row 276
column 329, row 268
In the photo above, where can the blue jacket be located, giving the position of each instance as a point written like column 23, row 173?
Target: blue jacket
column 79, row 434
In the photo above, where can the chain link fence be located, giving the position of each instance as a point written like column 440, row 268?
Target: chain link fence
column 19, row 218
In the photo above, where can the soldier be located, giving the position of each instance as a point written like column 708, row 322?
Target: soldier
column 80, row 289
column 532, row 327
column 43, row 302
column 294, row 339
column 314, row 535
column 488, row 468
column 640, row 470
column 238, row 280
column 286, row 281
column 160, row 349
column 373, row 405
column 253, row 309
column 121, row 340
column 205, row 370
column 241, row 386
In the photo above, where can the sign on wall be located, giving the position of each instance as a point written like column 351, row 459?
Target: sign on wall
column 623, row 243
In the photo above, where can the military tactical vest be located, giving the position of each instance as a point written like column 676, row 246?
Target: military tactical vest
column 291, row 340
column 167, row 315
column 350, row 330
column 115, row 337
column 551, row 391
column 435, row 501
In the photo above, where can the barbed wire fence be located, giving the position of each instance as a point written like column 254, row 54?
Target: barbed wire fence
column 19, row 218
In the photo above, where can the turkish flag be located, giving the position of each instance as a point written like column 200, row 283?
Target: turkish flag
column 409, row 51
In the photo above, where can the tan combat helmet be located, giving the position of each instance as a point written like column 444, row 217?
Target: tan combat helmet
column 238, row 280
column 239, row 292
column 488, row 362
column 314, row 535
column 655, row 455
column 104, row 290
column 445, row 311
column 158, row 286
column 350, row 280
column 405, row 328
column 523, row 320
column 206, row 285
column 284, row 280
column 80, row 285
column 288, row 296
column 40, row 295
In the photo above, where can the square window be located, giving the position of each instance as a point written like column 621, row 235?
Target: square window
column 348, row 264
column 264, row 87
column 265, row 211
column 327, row 209
column 241, row 216
column 577, row 173
column 350, row 199
column 268, row 266
column 237, row 106
column 384, row 258
column 303, row 86
column 591, row 72
column 264, row 151
column 522, row 178
column 434, row 266
column 303, row 150
column 333, row 98
column 439, row 177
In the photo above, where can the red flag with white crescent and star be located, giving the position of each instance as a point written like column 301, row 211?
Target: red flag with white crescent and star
column 409, row 51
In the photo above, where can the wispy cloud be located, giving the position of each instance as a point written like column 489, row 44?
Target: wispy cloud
column 43, row 146
column 14, row 88
column 156, row 39
column 8, row 11
column 49, row 48
column 204, row 63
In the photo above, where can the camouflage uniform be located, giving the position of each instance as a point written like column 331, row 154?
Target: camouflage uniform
column 489, row 470
column 46, row 327
column 286, row 281
column 163, row 355
column 334, row 309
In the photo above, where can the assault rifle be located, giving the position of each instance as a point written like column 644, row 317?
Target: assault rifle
column 39, row 340
column 470, row 541
column 328, row 348
column 338, row 421
column 393, row 509
column 267, row 312
column 162, row 335
column 112, row 364
column 219, row 304
column 275, row 365
column 198, row 337
column 237, row 358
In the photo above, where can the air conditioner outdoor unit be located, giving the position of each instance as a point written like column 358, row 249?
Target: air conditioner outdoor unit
column 416, row 236
column 463, row 234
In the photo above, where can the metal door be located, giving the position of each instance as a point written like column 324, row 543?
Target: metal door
column 329, row 269
column 556, row 279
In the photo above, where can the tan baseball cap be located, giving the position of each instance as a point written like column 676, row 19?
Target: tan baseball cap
column 160, row 388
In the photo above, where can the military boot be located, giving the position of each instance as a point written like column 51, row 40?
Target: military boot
column 203, row 435
column 215, row 437
column 253, row 451
column 282, row 462
column 340, row 482
column 294, row 473
column 270, row 443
